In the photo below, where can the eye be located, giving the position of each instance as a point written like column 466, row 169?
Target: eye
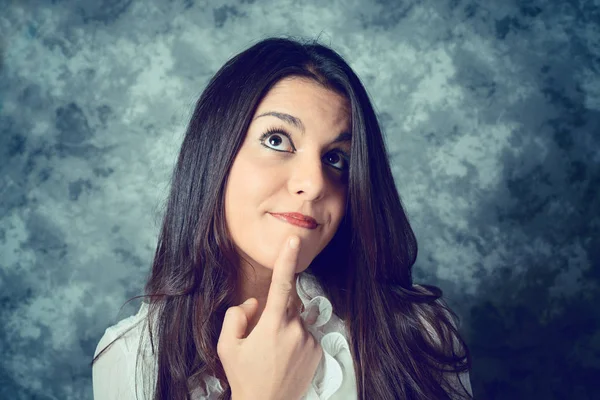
column 275, row 137
column 341, row 157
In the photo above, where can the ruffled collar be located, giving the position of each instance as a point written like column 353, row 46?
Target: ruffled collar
column 334, row 378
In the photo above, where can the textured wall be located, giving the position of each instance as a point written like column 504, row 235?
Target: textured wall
column 492, row 115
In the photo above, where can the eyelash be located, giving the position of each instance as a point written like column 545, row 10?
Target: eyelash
column 281, row 131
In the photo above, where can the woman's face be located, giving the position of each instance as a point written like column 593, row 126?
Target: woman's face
column 304, row 173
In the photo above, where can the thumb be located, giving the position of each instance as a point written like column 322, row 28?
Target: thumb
column 251, row 300
column 249, row 308
column 236, row 320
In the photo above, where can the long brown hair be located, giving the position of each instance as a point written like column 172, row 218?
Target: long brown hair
column 365, row 270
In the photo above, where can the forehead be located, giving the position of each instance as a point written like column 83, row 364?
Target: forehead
column 308, row 97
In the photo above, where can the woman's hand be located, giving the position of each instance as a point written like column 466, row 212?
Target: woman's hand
column 279, row 358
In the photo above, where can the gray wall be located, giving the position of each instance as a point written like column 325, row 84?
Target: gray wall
column 491, row 111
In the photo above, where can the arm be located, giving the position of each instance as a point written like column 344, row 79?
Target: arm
column 110, row 373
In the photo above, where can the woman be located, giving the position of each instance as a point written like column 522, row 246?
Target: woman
column 284, row 143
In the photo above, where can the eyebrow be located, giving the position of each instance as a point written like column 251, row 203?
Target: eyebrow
column 297, row 122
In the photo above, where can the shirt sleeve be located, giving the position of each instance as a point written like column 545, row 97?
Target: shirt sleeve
column 110, row 373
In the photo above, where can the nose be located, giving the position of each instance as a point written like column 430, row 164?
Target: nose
column 308, row 177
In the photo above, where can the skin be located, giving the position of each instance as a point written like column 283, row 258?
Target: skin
column 278, row 360
column 304, row 176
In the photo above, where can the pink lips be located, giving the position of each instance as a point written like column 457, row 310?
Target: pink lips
column 297, row 219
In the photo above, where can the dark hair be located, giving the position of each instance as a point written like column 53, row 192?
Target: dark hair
column 403, row 337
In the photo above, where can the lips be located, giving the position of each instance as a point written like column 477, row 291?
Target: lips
column 297, row 219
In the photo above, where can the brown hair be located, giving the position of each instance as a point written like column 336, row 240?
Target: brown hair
column 403, row 338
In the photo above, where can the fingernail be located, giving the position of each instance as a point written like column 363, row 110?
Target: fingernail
column 294, row 242
column 248, row 301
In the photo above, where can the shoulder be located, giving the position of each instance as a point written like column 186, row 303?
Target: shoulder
column 127, row 332
column 113, row 372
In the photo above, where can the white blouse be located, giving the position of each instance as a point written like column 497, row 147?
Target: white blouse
column 115, row 372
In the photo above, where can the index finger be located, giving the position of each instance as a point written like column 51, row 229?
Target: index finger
column 283, row 278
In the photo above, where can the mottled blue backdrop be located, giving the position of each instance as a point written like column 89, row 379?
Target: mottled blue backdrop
column 491, row 112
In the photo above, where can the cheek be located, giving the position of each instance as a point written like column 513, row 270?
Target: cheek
column 249, row 187
column 340, row 204
column 246, row 183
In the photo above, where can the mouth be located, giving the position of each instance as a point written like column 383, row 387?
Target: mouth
column 297, row 220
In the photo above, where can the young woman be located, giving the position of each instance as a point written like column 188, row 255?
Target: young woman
column 284, row 144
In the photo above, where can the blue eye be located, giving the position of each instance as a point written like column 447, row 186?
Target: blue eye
column 274, row 137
